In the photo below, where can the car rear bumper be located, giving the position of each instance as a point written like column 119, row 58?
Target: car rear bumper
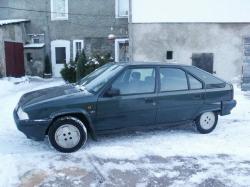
column 33, row 129
column 227, row 106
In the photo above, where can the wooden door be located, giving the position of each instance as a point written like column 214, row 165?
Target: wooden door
column 14, row 59
column 204, row 61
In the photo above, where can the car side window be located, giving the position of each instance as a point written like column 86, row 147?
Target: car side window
column 173, row 79
column 194, row 83
column 136, row 81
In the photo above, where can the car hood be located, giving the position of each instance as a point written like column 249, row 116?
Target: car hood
column 47, row 94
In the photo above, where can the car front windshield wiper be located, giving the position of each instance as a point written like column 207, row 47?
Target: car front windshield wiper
column 82, row 88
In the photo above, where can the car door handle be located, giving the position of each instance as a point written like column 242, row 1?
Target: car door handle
column 150, row 100
column 197, row 96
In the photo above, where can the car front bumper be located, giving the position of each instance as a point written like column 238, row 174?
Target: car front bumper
column 33, row 129
column 227, row 106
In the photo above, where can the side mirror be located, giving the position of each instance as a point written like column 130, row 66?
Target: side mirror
column 112, row 92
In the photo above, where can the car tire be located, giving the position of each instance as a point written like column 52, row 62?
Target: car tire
column 206, row 122
column 67, row 134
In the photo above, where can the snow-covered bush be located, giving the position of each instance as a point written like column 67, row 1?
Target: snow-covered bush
column 69, row 72
column 82, row 66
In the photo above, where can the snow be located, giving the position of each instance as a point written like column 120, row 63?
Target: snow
column 22, row 158
column 11, row 21
column 169, row 11
column 34, row 45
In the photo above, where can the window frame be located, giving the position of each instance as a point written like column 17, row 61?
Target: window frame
column 35, row 38
column 52, row 11
column 117, row 13
column 189, row 85
column 117, row 51
column 133, row 67
column 206, row 85
column 74, row 47
column 172, row 55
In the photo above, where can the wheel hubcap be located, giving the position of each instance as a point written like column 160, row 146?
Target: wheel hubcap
column 207, row 120
column 67, row 136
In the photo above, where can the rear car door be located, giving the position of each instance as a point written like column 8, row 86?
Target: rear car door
column 136, row 104
column 180, row 97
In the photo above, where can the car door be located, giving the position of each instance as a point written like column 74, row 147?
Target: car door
column 136, row 103
column 180, row 97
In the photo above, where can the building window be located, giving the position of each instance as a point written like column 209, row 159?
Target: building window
column 122, row 50
column 122, row 8
column 36, row 40
column 29, row 57
column 59, row 9
column 170, row 55
column 78, row 46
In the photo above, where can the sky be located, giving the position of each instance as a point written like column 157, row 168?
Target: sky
column 146, row 11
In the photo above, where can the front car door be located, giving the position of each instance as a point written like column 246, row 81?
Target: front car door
column 180, row 97
column 136, row 104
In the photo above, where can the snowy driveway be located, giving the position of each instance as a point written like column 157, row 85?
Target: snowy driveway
column 171, row 157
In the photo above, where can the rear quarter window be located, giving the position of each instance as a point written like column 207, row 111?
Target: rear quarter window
column 194, row 83
column 209, row 80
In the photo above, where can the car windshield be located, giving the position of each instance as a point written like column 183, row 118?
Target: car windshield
column 97, row 79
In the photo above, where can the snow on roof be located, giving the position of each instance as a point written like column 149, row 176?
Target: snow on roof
column 11, row 21
column 178, row 11
column 37, row 45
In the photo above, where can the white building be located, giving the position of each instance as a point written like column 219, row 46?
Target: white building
column 211, row 34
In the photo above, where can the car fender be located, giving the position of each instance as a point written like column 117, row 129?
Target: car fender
column 209, row 107
column 76, row 111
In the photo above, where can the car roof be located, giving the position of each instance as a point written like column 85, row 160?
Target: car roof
column 152, row 64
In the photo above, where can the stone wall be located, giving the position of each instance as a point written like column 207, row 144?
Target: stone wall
column 95, row 19
column 11, row 33
column 34, row 67
column 225, row 41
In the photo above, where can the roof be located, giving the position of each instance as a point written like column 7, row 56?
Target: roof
column 36, row 45
column 151, row 64
column 12, row 21
column 191, row 11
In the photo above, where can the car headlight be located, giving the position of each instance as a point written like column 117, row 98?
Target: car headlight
column 22, row 115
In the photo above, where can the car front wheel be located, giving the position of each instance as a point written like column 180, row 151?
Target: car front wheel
column 67, row 134
column 206, row 122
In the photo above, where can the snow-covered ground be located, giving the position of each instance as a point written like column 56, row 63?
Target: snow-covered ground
column 171, row 157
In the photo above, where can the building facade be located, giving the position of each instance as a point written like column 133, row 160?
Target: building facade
column 213, row 35
column 12, row 38
column 62, row 28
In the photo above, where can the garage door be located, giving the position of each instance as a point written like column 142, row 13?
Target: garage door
column 203, row 61
column 14, row 59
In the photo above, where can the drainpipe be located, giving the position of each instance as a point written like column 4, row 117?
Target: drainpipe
column 130, row 32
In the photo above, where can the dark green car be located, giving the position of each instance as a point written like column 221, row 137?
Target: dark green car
column 124, row 96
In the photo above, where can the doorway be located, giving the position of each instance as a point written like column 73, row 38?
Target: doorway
column 204, row 61
column 122, row 50
column 60, row 54
column 14, row 59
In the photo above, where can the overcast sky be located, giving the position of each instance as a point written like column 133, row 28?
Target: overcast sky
column 191, row 10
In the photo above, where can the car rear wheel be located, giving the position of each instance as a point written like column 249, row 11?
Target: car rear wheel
column 67, row 134
column 206, row 122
